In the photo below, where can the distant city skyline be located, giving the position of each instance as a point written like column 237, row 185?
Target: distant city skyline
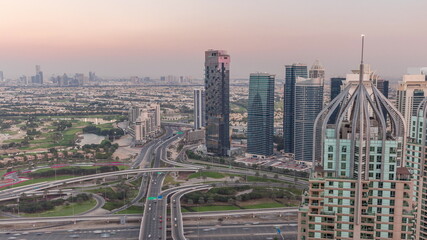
column 155, row 38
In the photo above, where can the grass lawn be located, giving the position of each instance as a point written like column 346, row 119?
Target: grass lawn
column 214, row 208
column 237, row 108
column 39, row 180
column 68, row 136
column 105, row 126
column 264, row 205
column 112, row 205
column 8, row 132
column 81, row 167
column 132, row 210
column 72, row 209
column 169, row 180
column 113, row 116
column 184, row 209
column 207, row 174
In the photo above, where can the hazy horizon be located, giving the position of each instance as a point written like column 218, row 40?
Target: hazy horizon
column 154, row 38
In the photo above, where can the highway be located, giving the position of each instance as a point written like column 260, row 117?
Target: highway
column 177, row 225
column 152, row 226
column 150, row 165
column 14, row 193
column 223, row 232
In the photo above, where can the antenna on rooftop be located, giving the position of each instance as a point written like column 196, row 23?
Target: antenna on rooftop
column 361, row 72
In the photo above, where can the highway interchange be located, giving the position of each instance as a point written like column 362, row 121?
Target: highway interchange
column 154, row 224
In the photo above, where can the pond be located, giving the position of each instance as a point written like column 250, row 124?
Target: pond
column 89, row 138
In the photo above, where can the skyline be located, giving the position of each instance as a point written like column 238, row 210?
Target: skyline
column 137, row 38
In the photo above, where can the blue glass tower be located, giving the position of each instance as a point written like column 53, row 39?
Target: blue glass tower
column 309, row 103
column 261, row 114
column 292, row 72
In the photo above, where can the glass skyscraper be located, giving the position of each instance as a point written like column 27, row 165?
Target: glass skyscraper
column 261, row 114
column 308, row 104
column 291, row 73
column 336, row 84
column 217, row 94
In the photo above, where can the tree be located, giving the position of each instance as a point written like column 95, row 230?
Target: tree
column 276, row 176
column 201, row 200
column 257, row 174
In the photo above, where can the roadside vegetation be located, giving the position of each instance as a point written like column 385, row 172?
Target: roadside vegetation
column 231, row 162
column 240, row 197
column 49, row 205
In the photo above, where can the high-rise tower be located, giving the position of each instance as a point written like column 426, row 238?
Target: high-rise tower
column 359, row 187
column 292, row 72
column 261, row 114
column 317, row 71
column 410, row 92
column 217, row 94
column 308, row 104
column 199, row 108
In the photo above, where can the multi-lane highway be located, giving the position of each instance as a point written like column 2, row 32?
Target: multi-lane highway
column 150, row 165
column 153, row 222
column 177, row 225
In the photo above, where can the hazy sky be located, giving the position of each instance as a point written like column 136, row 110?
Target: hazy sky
column 162, row 37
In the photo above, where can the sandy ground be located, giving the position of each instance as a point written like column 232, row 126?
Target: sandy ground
column 20, row 134
column 125, row 151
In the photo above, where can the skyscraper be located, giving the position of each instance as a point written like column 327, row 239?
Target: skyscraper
column 410, row 92
column 38, row 78
column 92, row 77
column 316, row 71
column 336, row 83
column 383, row 86
column 417, row 161
column 308, row 104
column 359, row 187
column 217, row 94
column 261, row 114
column 199, row 108
column 291, row 73
column 1, row 76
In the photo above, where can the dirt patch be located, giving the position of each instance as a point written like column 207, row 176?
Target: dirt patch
column 183, row 175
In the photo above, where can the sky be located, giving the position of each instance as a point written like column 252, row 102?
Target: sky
column 122, row 38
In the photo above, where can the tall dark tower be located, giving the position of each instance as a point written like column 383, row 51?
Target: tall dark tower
column 292, row 72
column 217, row 97
column 261, row 114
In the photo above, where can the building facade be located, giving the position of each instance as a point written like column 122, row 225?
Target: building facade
column 260, row 114
column 144, row 122
column 416, row 161
column 316, row 71
column 308, row 104
column 199, row 108
column 360, row 187
column 217, row 99
column 410, row 92
column 292, row 72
